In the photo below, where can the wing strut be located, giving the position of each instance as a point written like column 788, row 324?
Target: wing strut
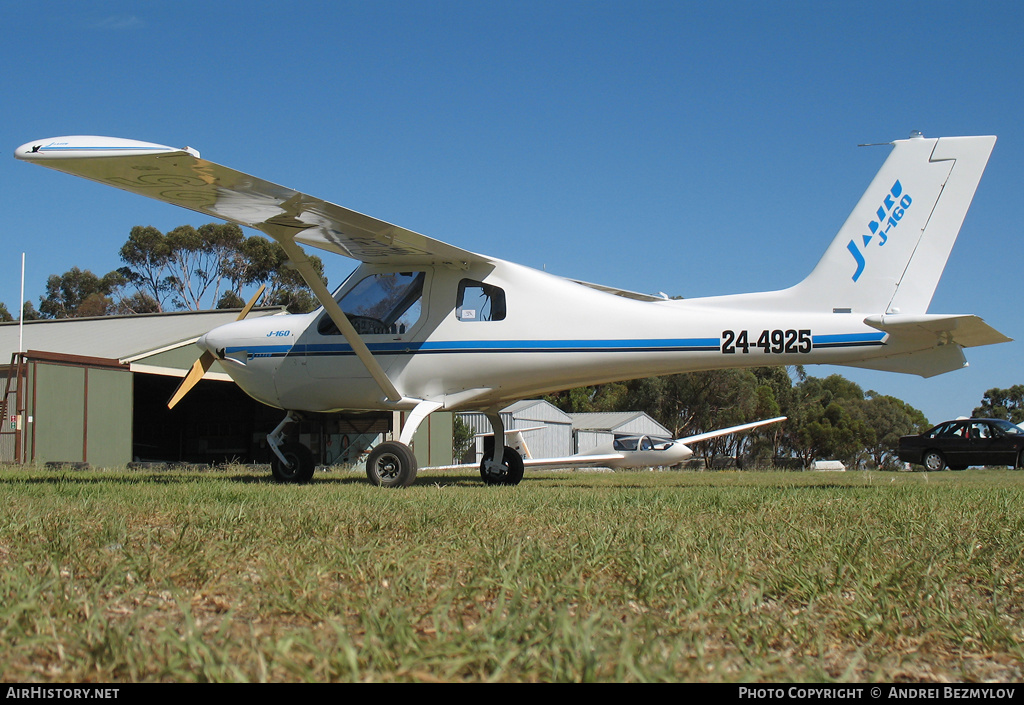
column 301, row 262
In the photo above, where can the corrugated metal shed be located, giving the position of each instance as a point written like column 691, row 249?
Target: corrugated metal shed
column 553, row 440
column 592, row 430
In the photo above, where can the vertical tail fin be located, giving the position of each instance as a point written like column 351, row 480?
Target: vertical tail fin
column 890, row 253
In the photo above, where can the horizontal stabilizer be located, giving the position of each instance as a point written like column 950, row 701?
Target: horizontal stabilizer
column 964, row 330
column 935, row 342
column 924, row 363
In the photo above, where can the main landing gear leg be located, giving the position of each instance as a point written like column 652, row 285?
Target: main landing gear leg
column 504, row 466
column 392, row 463
column 292, row 461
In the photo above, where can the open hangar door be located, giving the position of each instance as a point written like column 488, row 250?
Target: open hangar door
column 217, row 423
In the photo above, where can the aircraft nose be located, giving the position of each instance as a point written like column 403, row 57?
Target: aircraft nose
column 210, row 342
column 204, row 343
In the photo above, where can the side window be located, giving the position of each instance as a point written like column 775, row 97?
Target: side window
column 480, row 302
column 386, row 303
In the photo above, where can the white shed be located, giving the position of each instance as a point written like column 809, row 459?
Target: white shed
column 554, row 438
column 591, row 430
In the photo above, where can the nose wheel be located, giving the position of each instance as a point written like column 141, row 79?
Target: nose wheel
column 297, row 465
column 291, row 461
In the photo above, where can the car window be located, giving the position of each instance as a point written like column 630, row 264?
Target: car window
column 1006, row 427
column 951, row 429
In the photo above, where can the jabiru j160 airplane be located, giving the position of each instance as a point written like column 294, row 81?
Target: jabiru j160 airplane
column 421, row 325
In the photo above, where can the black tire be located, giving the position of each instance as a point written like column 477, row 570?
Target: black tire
column 391, row 464
column 299, row 468
column 512, row 469
column 933, row 461
column 1020, row 461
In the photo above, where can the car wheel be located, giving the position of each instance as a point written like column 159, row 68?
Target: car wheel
column 933, row 461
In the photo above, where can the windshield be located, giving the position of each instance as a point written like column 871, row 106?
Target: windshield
column 389, row 302
column 1007, row 427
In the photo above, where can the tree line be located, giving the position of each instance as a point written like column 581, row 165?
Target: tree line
column 829, row 417
column 185, row 269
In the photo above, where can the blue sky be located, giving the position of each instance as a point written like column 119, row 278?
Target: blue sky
column 692, row 148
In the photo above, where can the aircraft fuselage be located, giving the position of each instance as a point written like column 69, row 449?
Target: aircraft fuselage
column 553, row 334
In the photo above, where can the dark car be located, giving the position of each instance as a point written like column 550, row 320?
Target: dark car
column 957, row 444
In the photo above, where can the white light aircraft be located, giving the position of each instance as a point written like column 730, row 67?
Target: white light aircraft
column 638, row 451
column 421, row 325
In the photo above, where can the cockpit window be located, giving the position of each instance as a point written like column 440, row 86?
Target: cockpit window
column 480, row 302
column 641, row 443
column 627, row 443
column 385, row 303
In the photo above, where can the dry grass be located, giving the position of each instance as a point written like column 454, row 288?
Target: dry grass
column 224, row 576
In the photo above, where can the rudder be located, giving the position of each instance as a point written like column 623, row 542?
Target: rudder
column 890, row 253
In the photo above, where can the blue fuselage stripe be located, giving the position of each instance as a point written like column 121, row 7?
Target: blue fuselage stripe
column 848, row 340
column 536, row 346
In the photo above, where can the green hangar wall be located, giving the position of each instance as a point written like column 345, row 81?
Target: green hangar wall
column 95, row 391
column 79, row 410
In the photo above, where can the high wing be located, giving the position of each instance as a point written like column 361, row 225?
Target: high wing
column 182, row 177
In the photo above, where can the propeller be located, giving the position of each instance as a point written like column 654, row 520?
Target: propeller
column 206, row 360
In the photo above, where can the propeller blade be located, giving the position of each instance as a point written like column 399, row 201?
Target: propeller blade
column 199, row 369
column 252, row 302
column 206, row 360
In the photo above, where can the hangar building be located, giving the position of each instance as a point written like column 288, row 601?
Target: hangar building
column 594, row 429
column 554, row 433
column 94, row 390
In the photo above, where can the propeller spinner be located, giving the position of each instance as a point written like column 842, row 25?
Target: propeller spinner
column 206, row 360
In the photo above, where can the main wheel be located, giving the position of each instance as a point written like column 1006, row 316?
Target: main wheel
column 299, row 468
column 391, row 464
column 509, row 473
column 933, row 461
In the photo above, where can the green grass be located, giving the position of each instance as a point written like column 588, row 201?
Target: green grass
column 114, row 575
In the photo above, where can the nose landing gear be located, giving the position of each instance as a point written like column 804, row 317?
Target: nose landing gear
column 292, row 461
